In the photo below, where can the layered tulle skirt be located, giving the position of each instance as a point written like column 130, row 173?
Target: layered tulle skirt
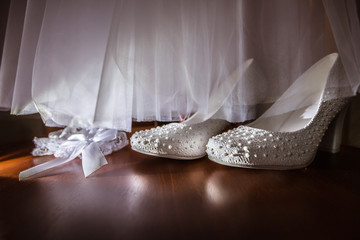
column 106, row 63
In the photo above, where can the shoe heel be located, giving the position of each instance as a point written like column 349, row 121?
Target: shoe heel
column 332, row 139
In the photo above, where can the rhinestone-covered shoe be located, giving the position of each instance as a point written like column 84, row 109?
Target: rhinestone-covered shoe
column 289, row 140
column 177, row 140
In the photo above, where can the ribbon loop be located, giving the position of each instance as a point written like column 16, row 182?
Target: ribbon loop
column 105, row 135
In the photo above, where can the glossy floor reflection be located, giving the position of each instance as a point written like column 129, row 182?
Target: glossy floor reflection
column 143, row 197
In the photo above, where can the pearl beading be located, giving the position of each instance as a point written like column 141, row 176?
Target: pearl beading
column 177, row 140
column 257, row 148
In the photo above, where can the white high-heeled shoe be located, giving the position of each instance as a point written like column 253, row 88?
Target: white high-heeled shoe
column 282, row 139
column 177, row 140
column 188, row 140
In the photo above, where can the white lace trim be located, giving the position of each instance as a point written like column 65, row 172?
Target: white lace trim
column 91, row 145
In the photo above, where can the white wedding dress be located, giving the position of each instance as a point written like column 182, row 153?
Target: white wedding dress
column 106, row 63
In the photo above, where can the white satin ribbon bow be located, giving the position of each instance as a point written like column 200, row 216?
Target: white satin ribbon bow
column 85, row 145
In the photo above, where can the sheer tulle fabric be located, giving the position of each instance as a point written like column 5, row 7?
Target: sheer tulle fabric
column 106, row 63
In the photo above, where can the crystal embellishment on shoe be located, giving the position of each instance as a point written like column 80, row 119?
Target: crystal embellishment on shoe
column 289, row 140
column 177, row 140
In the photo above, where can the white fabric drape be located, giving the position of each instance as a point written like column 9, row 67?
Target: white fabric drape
column 110, row 62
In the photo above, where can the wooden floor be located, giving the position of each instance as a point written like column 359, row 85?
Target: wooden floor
column 142, row 197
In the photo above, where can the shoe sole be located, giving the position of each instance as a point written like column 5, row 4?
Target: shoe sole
column 267, row 167
column 168, row 155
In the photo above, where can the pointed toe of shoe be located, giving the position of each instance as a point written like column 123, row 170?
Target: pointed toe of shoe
column 170, row 141
column 140, row 142
column 226, row 150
